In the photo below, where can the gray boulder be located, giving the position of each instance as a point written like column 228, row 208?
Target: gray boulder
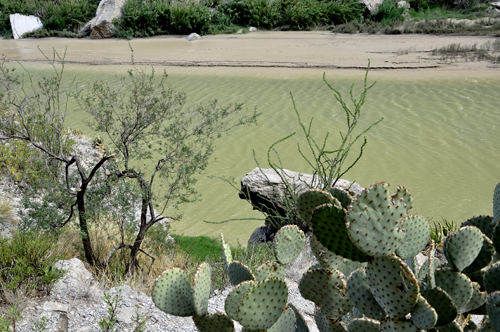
column 78, row 282
column 372, row 5
column 193, row 36
column 101, row 26
column 265, row 189
column 22, row 24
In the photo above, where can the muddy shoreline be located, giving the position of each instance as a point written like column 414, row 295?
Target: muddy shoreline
column 265, row 50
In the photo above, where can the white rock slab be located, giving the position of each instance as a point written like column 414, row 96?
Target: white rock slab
column 22, row 24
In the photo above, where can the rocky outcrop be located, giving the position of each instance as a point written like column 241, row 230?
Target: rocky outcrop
column 77, row 304
column 22, row 24
column 101, row 26
column 265, row 189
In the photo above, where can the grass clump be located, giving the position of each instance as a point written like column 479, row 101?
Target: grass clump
column 489, row 51
column 388, row 12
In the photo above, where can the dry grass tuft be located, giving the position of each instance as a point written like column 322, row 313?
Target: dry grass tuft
column 104, row 238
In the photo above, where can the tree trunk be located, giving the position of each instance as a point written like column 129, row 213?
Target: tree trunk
column 87, row 245
column 135, row 250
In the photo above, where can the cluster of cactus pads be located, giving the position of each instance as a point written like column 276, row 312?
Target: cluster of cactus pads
column 366, row 248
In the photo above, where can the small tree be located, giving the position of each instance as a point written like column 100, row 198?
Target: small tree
column 35, row 113
column 157, row 142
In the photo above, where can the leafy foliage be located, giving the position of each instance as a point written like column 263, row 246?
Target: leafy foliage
column 26, row 261
column 388, row 12
column 61, row 15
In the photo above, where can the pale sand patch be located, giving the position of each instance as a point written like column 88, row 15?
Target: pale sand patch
column 271, row 53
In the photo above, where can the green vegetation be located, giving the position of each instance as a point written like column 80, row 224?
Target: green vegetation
column 66, row 15
column 26, row 270
column 489, row 51
column 143, row 18
column 371, row 278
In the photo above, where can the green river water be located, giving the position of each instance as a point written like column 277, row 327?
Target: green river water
column 439, row 137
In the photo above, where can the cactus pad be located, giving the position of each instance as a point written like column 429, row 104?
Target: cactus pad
column 239, row 272
column 484, row 257
column 327, row 290
column 363, row 325
column 493, row 308
column 201, row 288
column 289, row 241
column 300, row 321
column 417, row 231
column 496, row 203
column 477, row 300
column 457, row 285
column 327, row 220
column 361, row 297
column 343, row 196
column 234, row 298
column 330, row 261
column 442, row 303
column 328, row 325
column 403, row 195
column 496, row 236
column 309, row 200
column 372, row 222
column 393, row 285
column 270, row 270
column 226, row 253
column 462, row 247
column 263, row 304
column 390, row 325
column 423, row 315
column 210, row 323
column 173, row 294
column 286, row 322
column 484, row 223
column 492, row 278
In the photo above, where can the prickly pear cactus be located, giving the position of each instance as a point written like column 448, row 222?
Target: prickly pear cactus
column 362, row 245
column 373, row 221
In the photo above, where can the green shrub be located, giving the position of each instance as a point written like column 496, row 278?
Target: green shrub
column 343, row 11
column 26, row 262
column 21, row 162
column 388, row 12
column 259, row 13
column 60, row 15
column 301, row 14
column 143, row 18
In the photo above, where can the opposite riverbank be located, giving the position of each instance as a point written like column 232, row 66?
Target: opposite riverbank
column 262, row 51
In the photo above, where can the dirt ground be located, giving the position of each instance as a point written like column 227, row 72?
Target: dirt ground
column 397, row 56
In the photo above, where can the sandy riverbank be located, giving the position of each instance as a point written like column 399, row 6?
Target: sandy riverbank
column 397, row 56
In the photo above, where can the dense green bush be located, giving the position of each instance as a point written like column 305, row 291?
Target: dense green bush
column 259, row 13
column 142, row 18
column 343, row 11
column 60, row 15
column 388, row 12
column 26, row 262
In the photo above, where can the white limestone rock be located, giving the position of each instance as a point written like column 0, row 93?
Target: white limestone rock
column 193, row 36
column 22, row 24
column 101, row 26
column 372, row 5
column 78, row 282
column 252, row 29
